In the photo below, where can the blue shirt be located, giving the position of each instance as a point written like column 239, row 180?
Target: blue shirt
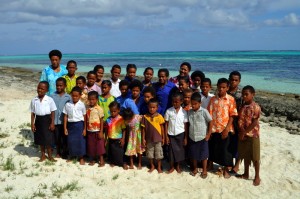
column 164, row 94
column 49, row 75
column 126, row 102
column 143, row 109
column 60, row 102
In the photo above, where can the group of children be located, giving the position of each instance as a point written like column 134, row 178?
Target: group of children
column 176, row 118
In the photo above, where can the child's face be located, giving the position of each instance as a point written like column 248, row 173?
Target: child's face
column 183, row 85
column 114, row 111
column 135, row 92
column 148, row 75
column 195, row 105
column 92, row 100
column 205, row 88
column 128, row 120
column 234, row 81
column 42, row 89
column 152, row 108
column 176, row 102
column 91, row 79
column 197, row 81
column 55, row 61
column 75, row 96
column 247, row 96
column 124, row 90
column 184, row 70
column 71, row 69
column 99, row 73
column 162, row 78
column 60, row 87
column 222, row 89
column 80, row 84
column 105, row 89
column 131, row 73
column 147, row 97
column 115, row 73
column 187, row 98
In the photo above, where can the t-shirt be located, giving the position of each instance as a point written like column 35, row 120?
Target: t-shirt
column 246, row 114
column 115, row 127
column 75, row 112
column 153, row 131
column 95, row 87
column 60, row 102
column 104, row 104
column 93, row 118
column 44, row 107
column 126, row 102
column 205, row 100
column 71, row 83
column 115, row 91
column 176, row 121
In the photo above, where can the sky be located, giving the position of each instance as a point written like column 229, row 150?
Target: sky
column 98, row 26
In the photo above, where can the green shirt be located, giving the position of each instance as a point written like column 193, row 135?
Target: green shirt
column 71, row 83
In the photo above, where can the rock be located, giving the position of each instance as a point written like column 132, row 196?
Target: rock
column 265, row 119
column 282, row 118
column 281, row 124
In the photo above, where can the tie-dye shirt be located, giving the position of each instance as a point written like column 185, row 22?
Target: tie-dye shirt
column 104, row 103
column 115, row 127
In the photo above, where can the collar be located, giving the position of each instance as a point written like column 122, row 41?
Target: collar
column 225, row 97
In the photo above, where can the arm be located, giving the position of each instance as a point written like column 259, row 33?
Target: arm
column 209, row 128
column 52, row 126
column 65, row 124
column 167, row 141
column 122, row 141
column 162, row 134
column 186, row 130
column 101, row 134
column 143, row 137
column 252, row 126
column 84, row 125
column 32, row 122
column 226, row 130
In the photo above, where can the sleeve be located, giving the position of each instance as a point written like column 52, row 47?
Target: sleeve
column 44, row 76
column 100, row 113
column 257, row 112
column 32, row 107
column 132, row 105
column 167, row 115
column 185, row 115
column 65, row 109
column 161, row 119
column 232, row 108
column 52, row 105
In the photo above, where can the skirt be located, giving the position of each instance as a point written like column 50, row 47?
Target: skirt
column 95, row 146
column 115, row 152
column 198, row 150
column 220, row 150
column 249, row 149
column 176, row 148
column 43, row 135
column 76, row 141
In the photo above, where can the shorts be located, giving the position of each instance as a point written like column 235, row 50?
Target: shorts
column 154, row 151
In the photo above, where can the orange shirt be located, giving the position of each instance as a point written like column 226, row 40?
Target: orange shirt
column 246, row 114
column 221, row 109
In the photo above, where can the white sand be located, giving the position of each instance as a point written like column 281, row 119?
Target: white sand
column 280, row 167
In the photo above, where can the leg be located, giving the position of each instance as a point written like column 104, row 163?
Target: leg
column 43, row 156
column 139, row 161
column 256, row 180
column 178, row 169
column 204, row 169
column 152, row 167
column 131, row 162
column 245, row 175
column 235, row 169
column 159, row 166
column 210, row 165
column 49, row 151
column 92, row 162
column 194, row 167
column 171, row 168
column 101, row 161
column 226, row 172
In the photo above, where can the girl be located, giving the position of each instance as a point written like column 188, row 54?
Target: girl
column 197, row 77
column 75, row 125
column 42, row 110
column 136, row 87
column 81, row 83
column 91, row 83
column 99, row 70
column 115, row 131
column 94, row 124
column 148, row 75
column 134, row 145
column 184, row 71
column 184, row 83
column 106, row 98
column 130, row 72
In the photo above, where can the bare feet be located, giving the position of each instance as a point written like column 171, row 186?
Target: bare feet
column 111, row 165
column 159, row 170
column 92, row 163
column 243, row 176
column 101, row 164
column 256, row 181
column 42, row 159
column 125, row 166
column 151, row 169
column 81, row 161
column 170, row 170
column 139, row 167
column 178, row 169
column 57, row 156
column 52, row 159
column 203, row 175
column 226, row 174
column 131, row 167
column 234, row 170
column 193, row 173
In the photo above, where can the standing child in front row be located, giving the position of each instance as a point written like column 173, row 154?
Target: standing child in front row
column 249, row 143
column 176, row 132
column 115, row 131
column 94, row 126
column 74, row 125
column 153, row 135
column 199, row 134
column 42, row 110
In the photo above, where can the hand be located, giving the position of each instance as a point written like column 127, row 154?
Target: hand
column 122, row 142
column 167, row 142
column 144, row 143
column 52, row 127
column 100, row 135
column 225, row 133
column 242, row 135
column 185, row 142
column 207, row 137
column 84, row 132
column 66, row 132
column 33, row 129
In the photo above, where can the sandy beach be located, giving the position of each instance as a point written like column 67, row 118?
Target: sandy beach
column 22, row 176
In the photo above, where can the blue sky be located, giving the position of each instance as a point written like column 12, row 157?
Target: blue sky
column 95, row 26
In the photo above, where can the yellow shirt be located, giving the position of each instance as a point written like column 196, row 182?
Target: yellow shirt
column 71, row 83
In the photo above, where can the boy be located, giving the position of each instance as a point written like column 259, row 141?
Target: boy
column 222, row 109
column 71, row 76
column 205, row 95
column 124, row 100
column 153, row 135
column 248, row 125
column 176, row 132
column 148, row 93
column 115, row 74
column 81, row 83
column 197, row 77
column 187, row 93
column 91, row 83
column 60, row 99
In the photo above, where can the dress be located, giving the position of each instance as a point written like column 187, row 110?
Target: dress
column 134, row 145
column 49, row 75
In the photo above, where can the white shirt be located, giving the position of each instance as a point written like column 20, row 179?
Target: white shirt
column 44, row 107
column 115, row 91
column 75, row 112
column 176, row 120
column 205, row 100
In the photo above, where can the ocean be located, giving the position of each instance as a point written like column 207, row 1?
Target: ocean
column 275, row 71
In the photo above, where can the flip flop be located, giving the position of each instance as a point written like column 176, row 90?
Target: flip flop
column 242, row 177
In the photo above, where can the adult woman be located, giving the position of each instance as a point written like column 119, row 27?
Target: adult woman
column 184, row 70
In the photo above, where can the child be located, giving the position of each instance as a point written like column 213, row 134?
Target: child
column 115, row 131
column 164, row 89
column 81, row 83
column 205, row 95
column 42, row 110
column 124, row 100
column 71, row 76
column 115, row 74
column 222, row 109
column 148, row 93
column 99, row 70
column 105, row 98
column 176, row 132
column 94, row 126
column 136, row 87
column 249, row 143
column 148, row 75
column 199, row 134
column 91, row 85
column 183, row 83
column 75, row 125
column 130, row 72
column 184, row 71
column 153, row 135
column 186, row 105
column 60, row 98
column 197, row 77
column 134, row 145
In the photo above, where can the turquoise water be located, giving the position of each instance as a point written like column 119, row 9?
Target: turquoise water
column 276, row 71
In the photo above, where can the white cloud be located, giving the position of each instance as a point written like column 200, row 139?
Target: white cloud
column 289, row 20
